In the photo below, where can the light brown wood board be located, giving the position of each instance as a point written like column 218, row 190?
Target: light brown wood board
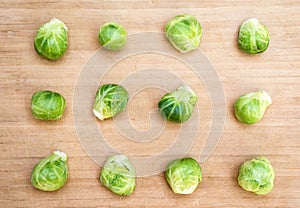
column 25, row 140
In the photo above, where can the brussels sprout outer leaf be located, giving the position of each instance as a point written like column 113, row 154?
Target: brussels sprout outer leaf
column 257, row 175
column 251, row 107
column 253, row 37
column 47, row 105
column 178, row 105
column 184, row 32
column 183, row 175
column 51, row 40
column 112, row 36
column 118, row 175
column 51, row 173
column 110, row 100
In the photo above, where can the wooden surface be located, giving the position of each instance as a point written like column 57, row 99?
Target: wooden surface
column 24, row 140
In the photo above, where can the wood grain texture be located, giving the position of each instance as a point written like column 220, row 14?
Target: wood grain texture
column 24, row 140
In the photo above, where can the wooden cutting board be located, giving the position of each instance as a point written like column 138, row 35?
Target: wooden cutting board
column 25, row 140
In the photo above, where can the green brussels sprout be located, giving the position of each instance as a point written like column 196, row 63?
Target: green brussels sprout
column 251, row 107
column 112, row 36
column 51, row 173
column 118, row 175
column 257, row 175
column 253, row 37
column 110, row 100
column 51, row 40
column 184, row 32
column 47, row 105
column 183, row 175
column 178, row 105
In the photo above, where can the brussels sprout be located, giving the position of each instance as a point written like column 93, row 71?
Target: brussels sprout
column 118, row 175
column 112, row 36
column 51, row 173
column 51, row 40
column 184, row 32
column 47, row 105
column 183, row 175
column 178, row 105
column 253, row 37
column 110, row 100
column 251, row 107
column 257, row 175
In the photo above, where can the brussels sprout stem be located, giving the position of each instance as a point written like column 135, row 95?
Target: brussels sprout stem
column 62, row 155
column 182, row 94
column 98, row 115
